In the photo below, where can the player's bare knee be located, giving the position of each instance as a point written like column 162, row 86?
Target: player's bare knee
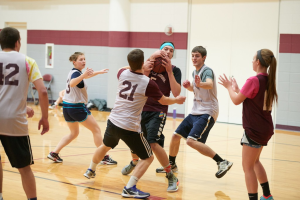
column 190, row 142
column 24, row 170
column 176, row 138
column 151, row 158
column 154, row 146
column 74, row 134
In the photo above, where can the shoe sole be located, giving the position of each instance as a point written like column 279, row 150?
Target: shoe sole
column 53, row 159
column 107, row 163
column 88, row 176
column 134, row 196
column 222, row 174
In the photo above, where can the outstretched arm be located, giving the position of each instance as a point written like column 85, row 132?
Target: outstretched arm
column 103, row 71
column 169, row 101
column 187, row 85
column 236, row 98
column 209, row 84
column 75, row 81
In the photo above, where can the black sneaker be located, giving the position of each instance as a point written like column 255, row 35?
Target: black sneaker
column 133, row 192
column 107, row 160
column 55, row 157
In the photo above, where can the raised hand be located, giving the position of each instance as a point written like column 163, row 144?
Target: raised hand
column 186, row 84
column 167, row 64
column 235, row 86
column 159, row 53
column 148, row 66
column 88, row 72
column 197, row 80
column 225, row 81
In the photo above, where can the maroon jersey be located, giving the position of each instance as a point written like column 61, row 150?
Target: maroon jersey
column 162, row 80
column 257, row 121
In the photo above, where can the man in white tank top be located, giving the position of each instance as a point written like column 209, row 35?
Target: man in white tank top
column 125, row 118
column 196, row 126
column 16, row 70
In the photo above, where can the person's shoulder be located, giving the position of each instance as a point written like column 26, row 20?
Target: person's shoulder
column 208, row 69
column 252, row 78
column 176, row 69
column 30, row 60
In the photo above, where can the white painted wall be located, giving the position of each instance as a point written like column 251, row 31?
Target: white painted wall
column 289, row 21
column 119, row 15
column 155, row 15
column 57, row 14
column 232, row 31
column 288, row 79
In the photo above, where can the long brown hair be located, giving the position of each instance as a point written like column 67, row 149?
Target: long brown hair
column 268, row 56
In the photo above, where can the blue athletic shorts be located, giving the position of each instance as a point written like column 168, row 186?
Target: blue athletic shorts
column 196, row 127
column 75, row 112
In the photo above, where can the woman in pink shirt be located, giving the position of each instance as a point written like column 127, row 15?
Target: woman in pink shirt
column 257, row 96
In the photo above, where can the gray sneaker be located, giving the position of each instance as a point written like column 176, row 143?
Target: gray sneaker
column 174, row 169
column 173, row 182
column 128, row 168
column 89, row 174
column 223, row 168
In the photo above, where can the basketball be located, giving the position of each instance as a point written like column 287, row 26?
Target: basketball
column 158, row 67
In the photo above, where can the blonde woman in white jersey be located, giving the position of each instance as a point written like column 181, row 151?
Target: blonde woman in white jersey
column 75, row 110
column 124, row 121
column 197, row 125
column 16, row 71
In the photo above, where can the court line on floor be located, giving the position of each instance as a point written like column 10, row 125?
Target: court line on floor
column 77, row 185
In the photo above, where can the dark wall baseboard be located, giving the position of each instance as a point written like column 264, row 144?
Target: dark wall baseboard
column 178, row 115
column 31, row 100
column 286, row 127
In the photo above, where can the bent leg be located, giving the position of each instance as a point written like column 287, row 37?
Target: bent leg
column 91, row 124
column 74, row 131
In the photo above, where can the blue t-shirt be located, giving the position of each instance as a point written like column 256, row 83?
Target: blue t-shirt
column 77, row 74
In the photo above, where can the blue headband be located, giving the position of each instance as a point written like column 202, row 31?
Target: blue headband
column 167, row 44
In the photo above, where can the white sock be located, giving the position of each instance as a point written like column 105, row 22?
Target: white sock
column 132, row 182
column 0, row 195
column 93, row 166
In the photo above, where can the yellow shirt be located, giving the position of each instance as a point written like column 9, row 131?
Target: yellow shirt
column 32, row 69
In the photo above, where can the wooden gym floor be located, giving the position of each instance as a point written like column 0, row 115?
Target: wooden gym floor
column 65, row 181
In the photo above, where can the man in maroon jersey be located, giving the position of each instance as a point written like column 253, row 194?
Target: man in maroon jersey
column 154, row 114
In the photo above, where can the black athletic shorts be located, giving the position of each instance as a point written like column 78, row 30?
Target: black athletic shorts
column 153, row 125
column 134, row 140
column 18, row 150
column 75, row 112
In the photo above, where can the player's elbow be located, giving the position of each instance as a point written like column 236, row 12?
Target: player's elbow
column 43, row 92
column 176, row 93
column 163, row 100
column 236, row 102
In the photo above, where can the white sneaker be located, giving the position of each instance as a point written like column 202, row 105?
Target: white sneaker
column 223, row 167
column 52, row 107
